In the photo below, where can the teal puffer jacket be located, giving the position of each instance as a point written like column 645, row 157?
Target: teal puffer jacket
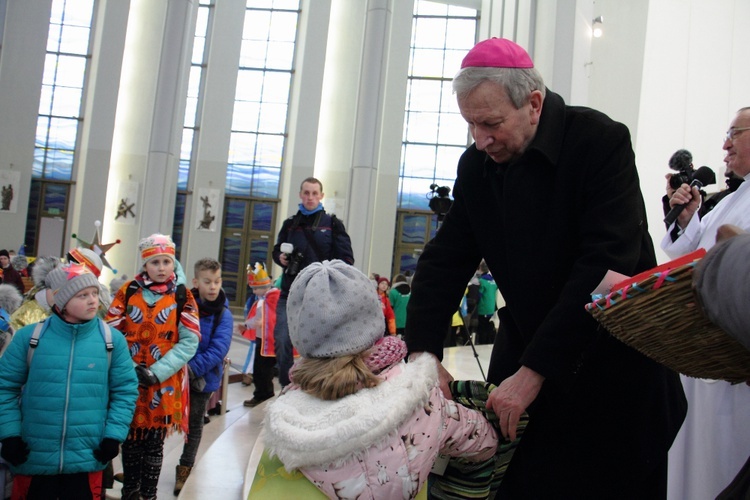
column 69, row 402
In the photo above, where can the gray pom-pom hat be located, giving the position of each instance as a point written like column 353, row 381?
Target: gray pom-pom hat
column 333, row 311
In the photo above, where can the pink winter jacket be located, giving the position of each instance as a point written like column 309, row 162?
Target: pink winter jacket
column 380, row 442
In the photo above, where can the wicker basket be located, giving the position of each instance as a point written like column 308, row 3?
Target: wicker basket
column 660, row 317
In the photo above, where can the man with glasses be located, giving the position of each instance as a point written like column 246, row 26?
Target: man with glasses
column 714, row 441
column 692, row 232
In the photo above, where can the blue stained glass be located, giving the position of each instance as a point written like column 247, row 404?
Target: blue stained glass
column 266, row 182
column 258, row 251
column 269, row 148
column 231, row 255
column 234, row 217
column 262, row 216
column 414, row 193
column 433, row 226
column 179, row 221
column 31, row 218
column 37, row 168
column 413, row 229
column 62, row 133
column 408, row 263
column 183, row 172
column 238, row 179
column 59, row 165
column 230, row 289
column 55, row 197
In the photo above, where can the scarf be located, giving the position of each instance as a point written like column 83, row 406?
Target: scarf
column 162, row 288
column 305, row 211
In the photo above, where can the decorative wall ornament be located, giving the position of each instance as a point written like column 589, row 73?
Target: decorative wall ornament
column 127, row 196
column 10, row 181
column 205, row 211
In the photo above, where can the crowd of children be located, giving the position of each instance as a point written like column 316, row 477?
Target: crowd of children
column 118, row 372
column 108, row 391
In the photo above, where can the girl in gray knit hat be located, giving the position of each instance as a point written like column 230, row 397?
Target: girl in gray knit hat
column 356, row 419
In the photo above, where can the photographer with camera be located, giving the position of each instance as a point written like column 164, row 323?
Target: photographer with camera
column 311, row 235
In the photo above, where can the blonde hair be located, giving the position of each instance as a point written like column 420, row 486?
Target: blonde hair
column 334, row 378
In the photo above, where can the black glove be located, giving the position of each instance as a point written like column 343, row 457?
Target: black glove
column 108, row 449
column 15, row 451
column 146, row 377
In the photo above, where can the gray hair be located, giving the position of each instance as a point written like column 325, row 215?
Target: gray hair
column 519, row 83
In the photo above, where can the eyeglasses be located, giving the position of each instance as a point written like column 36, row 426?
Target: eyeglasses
column 732, row 133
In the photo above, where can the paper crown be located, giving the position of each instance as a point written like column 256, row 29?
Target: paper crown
column 258, row 276
column 97, row 247
column 88, row 258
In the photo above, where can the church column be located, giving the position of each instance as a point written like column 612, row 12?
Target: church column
column 148, row 125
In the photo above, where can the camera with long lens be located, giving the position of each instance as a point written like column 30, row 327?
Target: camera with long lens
column 440, row 201
column 294, row 257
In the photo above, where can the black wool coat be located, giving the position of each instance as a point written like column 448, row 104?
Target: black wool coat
column 549, row 225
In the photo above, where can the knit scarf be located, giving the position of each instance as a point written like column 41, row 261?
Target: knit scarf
column 212, row 307
column 386, row 352
column 145, row 282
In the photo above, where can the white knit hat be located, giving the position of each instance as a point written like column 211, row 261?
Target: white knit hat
column 333, row 310
column 154, row 246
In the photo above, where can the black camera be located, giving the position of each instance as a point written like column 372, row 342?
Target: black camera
column 440, row 201
column 682, row 162
column 295, row 258
column 680, row 178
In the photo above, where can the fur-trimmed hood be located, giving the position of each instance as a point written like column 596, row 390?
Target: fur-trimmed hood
column 42, row 267
column 10, row 298
column 303, row 430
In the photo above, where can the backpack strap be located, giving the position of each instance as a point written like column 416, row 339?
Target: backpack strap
column 129, row 291
column 106, row 332
column 180, row 295
column 41, row 327
column 34, row 340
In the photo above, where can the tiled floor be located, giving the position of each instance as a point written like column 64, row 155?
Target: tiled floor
column 222, row 463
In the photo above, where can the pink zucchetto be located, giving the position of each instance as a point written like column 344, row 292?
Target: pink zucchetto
column 497, row 53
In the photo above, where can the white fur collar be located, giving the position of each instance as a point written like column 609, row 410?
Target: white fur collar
column 306, row 431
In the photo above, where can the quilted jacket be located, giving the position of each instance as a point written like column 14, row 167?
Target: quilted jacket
column 73, row 395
